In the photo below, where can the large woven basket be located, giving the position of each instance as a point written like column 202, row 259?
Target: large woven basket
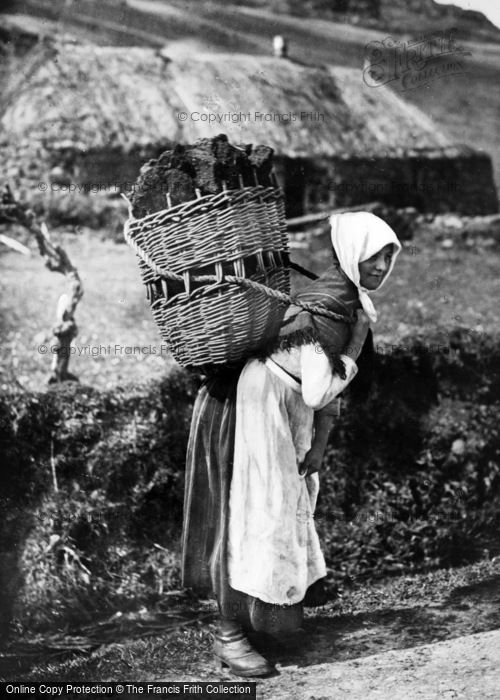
column 207, row 265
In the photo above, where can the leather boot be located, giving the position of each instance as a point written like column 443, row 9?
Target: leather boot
column 232, row 649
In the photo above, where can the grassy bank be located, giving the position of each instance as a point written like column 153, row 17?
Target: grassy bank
column 92, row 485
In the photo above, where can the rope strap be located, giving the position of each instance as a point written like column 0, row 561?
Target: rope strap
column 280, row 297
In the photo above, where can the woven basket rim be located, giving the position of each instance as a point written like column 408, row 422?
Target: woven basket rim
column 203, row 202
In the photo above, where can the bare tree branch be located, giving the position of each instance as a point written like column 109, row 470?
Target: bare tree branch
column 57, row 260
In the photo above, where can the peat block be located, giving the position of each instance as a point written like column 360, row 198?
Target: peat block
column 208, row 166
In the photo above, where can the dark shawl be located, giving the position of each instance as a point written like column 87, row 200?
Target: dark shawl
column 337, row 293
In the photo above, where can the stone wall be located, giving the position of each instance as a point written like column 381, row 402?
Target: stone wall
column 459, row 180
column 36, row 171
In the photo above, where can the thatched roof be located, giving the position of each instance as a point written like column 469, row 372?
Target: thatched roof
column 93, row 97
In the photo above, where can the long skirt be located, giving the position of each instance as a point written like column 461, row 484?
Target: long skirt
column 209, row 466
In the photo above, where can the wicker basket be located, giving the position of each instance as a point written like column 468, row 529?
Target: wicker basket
column 237, row 235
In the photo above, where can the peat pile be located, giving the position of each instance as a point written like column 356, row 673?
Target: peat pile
column 206, row 167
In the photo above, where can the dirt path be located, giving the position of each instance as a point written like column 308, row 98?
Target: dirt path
column 467, row 668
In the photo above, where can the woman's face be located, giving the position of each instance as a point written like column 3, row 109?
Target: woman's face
column 373, row 270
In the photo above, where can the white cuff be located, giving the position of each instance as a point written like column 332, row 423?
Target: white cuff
column 351, row 367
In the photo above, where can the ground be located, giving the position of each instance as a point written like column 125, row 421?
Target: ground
column 425, row 673
column 421, row 637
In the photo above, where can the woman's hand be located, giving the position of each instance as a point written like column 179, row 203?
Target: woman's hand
column 359, row 332
column 323, row 421
column 312, row 462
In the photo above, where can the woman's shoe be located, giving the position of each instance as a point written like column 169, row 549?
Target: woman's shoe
column 234, row 650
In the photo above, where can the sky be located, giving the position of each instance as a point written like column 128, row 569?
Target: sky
column 491, row 8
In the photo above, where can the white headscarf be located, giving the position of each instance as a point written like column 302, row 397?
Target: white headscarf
column 356, row 236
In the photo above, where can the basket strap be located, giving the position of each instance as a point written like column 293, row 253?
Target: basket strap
column 280, row 297
column 303, row 271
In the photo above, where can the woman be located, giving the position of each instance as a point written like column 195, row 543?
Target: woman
column 257, row 440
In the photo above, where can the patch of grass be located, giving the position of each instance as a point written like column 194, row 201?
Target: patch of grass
column 117, row 341
column 186, row 650
column 430, row 291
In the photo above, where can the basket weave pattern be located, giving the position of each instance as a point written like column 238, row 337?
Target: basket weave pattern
column 217, row 235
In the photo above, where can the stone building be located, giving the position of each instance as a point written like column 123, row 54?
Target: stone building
column 89, row 116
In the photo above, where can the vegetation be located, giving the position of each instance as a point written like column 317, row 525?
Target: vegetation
column 414, row 471
column 93, row 482
column 91, row 497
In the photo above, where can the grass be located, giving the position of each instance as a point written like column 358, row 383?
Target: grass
column 113, row 312
column 432, row 289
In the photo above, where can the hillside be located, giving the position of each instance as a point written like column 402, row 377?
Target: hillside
column 389, row 15
column 428, row 16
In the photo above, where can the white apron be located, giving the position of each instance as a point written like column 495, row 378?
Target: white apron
column 273, row 548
